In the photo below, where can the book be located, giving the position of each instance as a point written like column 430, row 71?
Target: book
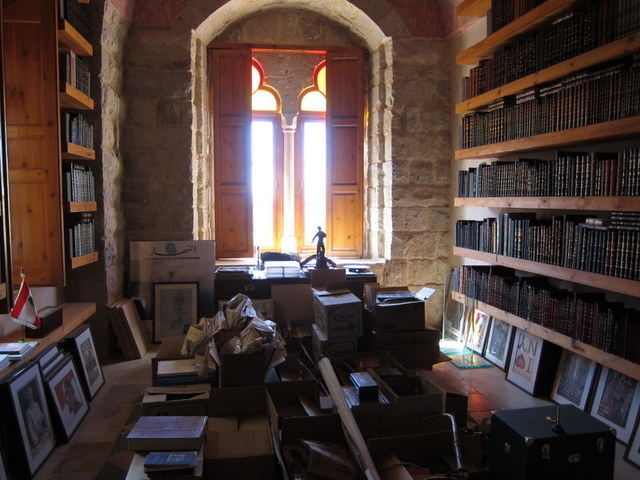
column 17, row 350
column 167, row 433
column 4, row 361
column 170, row 461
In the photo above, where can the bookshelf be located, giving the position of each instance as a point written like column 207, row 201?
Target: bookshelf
column 616, row 129
column 606, row 359
column 77, row 150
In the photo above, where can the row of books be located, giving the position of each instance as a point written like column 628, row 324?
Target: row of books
column 79, row 183
column 77, row 14
column 585, row 98
column 80, row 235
column 581, row 174
column 74, row 70
column 587, row 317
column 571, row 34
column 75, row 129
column 604, row 246
column 504, row 12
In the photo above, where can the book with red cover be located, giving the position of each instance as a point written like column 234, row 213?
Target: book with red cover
column 167, row 433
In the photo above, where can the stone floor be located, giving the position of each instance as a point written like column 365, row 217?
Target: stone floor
column 93, row 452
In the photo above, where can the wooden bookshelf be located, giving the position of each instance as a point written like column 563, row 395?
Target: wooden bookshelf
column 80, row 207
column 71, row 97
column 73, row 315
column 596, row 280
column 70, row 39
column 626, row 127
column 599, row 356
column 473, row 8
column 620, row 204
column 81, row 261
column 521, row 25
column 71, row 151
column 611, row 51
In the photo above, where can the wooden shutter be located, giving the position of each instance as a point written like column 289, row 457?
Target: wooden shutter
column 231, row 106
column 345, row 132
column 30, row 58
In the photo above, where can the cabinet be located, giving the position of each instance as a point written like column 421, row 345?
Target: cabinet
column 614, row 131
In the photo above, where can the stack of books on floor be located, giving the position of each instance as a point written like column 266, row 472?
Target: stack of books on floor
column 167, row 447
column 182, row 372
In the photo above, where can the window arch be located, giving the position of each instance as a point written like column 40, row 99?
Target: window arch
column 263, row 97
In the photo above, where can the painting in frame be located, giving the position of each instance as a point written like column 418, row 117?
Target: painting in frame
column 524, row 364
column 37, row 437
column 477, row 331
column 67, row 397
column 616, row 402
column 574, row 380
column 632, row 453
column 80, row 344
column 498, row 343
column 175, row 309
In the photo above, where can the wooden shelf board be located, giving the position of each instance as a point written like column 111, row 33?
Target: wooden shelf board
column 77, row 262
column 473, row 8
column 73, row 315
column 526, row 23
column 70, row 38
column 599, row 356
column 620, row 204
column 611, row 51
column 604, row 282
column 71, row 151
column 591, row 133
column 71, row 97
column 81, row 207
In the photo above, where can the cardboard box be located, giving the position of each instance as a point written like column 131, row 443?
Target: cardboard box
column 414, row 395
column 338, row 313
column 336, row 350
column 136, row 468
column 396, row 308
column 167, row 433
column 176, row 400
column 240, row 369
column 456, row 399
column 238, row 436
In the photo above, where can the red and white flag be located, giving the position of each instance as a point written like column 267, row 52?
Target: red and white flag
column 24, row 311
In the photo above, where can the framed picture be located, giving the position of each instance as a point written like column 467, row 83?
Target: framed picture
column 80, row 344
column 616, row 402
column 477, row 332
column 632, row 453
column 49, row 360
column 533, row 363
column 574, row 379
column 3, row 467
column 453, row 313
column 67, row 398
column 176, row 308
column 36, row 437
column 498, row 343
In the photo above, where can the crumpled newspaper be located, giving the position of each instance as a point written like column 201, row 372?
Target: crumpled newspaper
column 239, row 315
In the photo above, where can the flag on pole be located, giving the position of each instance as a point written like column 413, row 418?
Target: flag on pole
column 24, row 310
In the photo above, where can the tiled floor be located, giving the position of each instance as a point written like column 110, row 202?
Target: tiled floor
column 91, row 450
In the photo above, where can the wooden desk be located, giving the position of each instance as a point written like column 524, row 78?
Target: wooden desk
column 73, row 315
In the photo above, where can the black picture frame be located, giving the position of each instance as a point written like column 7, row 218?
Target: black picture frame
column 28, row 421
column 80, row 344
column 175, row 309
column 499, row 343
column 67, row 398
column 479, row 325
column 632, row 452
column 4, row 475
column 574, row 380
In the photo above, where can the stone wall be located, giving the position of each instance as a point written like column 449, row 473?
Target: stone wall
column 164, row 149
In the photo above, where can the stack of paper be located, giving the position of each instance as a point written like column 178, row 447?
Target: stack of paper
column 286, row 269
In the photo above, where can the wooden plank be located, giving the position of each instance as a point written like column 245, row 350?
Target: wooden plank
column 80, row 207
column 599, row 356
column 605, row 282
column 521, row 25
column 71, row 97
column 71, row 151
column 619, row 204
column 70, row 38
column 73, row 315
column 625, row 127
column 473, row 8
column 354, row 438
column 81, row 261
column 611, row 51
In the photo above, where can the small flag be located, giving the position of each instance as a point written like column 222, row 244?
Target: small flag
column 24, row 310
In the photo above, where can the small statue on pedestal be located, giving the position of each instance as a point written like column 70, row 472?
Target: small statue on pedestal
column 321, row 260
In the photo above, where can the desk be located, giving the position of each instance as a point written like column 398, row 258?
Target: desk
column 73, row 315
column 258, row 286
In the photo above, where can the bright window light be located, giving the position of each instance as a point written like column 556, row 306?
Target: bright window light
column 263, row 181
column 315, row 174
